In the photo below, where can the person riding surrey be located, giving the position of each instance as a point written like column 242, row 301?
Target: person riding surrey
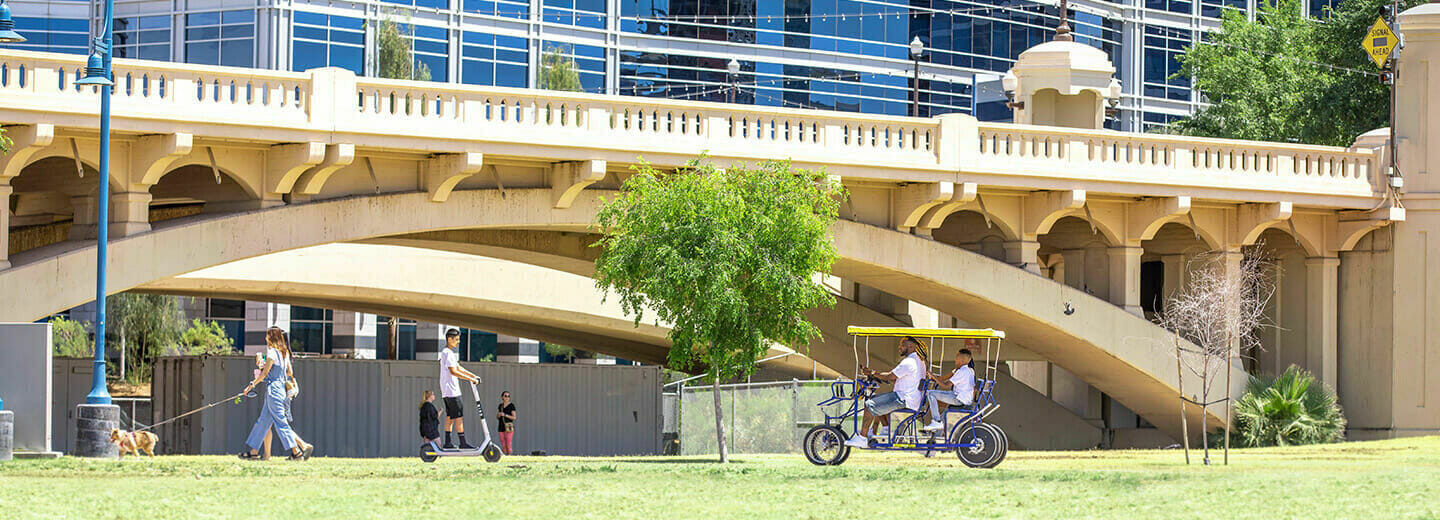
column 450, row 375
column 273, row 413
column 958, row 389
column 906, row 393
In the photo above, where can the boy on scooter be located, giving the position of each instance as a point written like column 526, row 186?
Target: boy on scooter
column 450, row 374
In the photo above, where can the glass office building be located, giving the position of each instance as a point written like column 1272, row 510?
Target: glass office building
column 849, row 55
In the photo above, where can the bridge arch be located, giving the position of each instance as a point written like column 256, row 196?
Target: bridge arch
column 1115, row 351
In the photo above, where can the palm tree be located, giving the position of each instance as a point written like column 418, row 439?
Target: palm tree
column 1288, row 410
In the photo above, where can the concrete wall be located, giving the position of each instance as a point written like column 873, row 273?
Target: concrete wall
column 25, row 380
column 365, row 408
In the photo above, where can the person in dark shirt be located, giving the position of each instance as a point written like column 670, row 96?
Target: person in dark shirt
column 507, row 422
column 429, row 417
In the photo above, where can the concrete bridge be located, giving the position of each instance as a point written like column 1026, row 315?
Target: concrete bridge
column 1062, row 236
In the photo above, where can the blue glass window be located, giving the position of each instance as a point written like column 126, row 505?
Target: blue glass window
column 145, row 37
column 328, row 41
column 502, row 8
column 582, row 13
column 589, row 63
column 221, row 38
column 487, row 59
column 69, row 35
column 1319, row 8
column 1163, row 46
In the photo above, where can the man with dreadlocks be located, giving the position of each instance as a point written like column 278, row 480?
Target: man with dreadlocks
column 906, row 375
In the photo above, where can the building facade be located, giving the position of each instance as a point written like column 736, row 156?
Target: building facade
column 848, row 55
column 316, row 331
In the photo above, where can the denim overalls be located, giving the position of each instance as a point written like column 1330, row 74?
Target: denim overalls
column 272, row 413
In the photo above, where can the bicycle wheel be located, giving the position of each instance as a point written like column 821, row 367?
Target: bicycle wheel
column 825, row 446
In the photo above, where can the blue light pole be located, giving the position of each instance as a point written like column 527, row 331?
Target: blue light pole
column 7, row 35
column 97, row 73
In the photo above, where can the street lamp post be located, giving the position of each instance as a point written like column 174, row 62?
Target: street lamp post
column 734, row 68
column 7, row 26
column 7, row 418
column 94, row 418
column 917, row 48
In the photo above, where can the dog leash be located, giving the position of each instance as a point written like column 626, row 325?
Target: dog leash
column 235, row 398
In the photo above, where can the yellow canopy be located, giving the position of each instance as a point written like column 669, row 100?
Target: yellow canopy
column 926, row 333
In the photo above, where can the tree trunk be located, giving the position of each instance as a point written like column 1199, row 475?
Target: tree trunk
column 719, row 422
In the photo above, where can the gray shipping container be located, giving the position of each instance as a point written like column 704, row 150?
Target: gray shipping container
column 368, row 408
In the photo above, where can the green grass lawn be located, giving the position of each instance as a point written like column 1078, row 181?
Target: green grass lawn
column 1387, row 479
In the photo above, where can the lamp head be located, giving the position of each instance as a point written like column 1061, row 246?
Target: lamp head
column 95, row 73
column 733, row 66
column 7, row 26
column 1009, row 82
column 917, row 47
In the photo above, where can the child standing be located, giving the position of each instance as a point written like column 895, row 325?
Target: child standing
column 429, row 417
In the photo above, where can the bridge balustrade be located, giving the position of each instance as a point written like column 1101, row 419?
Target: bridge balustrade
column 905, row 148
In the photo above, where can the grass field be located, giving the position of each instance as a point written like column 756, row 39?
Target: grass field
column 1387, row 479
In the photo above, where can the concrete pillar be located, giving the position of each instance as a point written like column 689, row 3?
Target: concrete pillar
column 1074, row 274
column 1322, row 298
column 259, row 317
column 354, row 334
column 1174, row 278
column 1125, row 278
column 510, row 349
column 82, row 224
column 1024, row 254
column 93, row 423
column 429, row 340
column 129, row 213
column 5, row 191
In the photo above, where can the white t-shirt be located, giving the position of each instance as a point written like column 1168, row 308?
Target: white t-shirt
column 907, row 380
column 449, row 384
column 964, row 381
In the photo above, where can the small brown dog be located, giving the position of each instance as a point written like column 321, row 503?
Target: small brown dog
column 134, row 442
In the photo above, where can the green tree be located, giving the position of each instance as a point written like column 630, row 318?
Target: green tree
column 1353, row 103
column 727, row 257
column 70, row 339
column 1288, row 410
column 396, row 59
column 560, row 351
column 1284, row 77
column 149, row 323
column 203, row 338
column 558, row 71
column 5, row 142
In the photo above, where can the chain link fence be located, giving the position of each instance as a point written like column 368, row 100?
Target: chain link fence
column 758, row 417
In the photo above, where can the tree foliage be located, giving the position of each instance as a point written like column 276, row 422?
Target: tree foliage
column 727, row 258
column 203, row 338
column 396, row 59
column 70, row 339
column 558, row 71
column 5, row 142
column 149, row 323
column 1268, row 79
column 1291, row 409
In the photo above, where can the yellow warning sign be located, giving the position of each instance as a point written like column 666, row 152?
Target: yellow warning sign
column 1380, row 42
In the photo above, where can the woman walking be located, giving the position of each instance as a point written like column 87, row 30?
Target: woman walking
column 507, row 422
column 274, row 374
column 292, row 389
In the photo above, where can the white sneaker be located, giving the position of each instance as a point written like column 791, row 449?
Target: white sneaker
column 934, row 425
column 858, row 442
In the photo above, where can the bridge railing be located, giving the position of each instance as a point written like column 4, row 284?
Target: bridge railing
column 903, row 148
column 1083, row 153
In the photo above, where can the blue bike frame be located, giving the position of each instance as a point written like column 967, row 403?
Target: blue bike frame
column 856, row 392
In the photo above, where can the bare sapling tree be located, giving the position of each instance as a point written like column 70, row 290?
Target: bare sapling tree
column 1216, row 316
